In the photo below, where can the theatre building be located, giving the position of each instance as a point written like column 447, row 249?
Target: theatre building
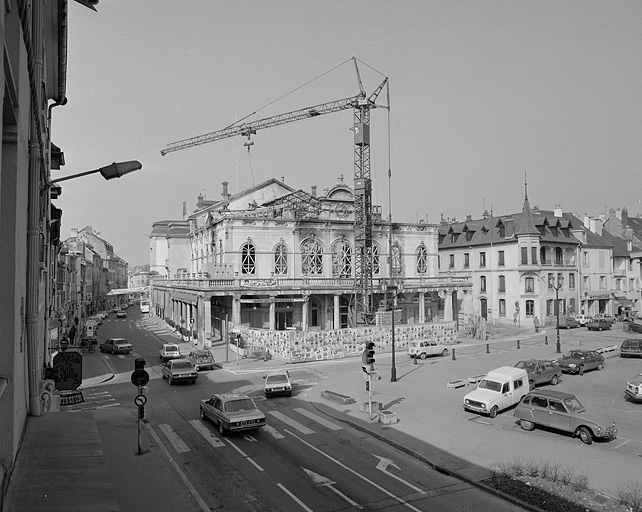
column 274, row 259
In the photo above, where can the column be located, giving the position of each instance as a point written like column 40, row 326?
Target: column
column 236, row 310
column 337, row 312
column 205, row 323
column 272, row 313
column 422, row 307
column 448, row 306
column 304, row 313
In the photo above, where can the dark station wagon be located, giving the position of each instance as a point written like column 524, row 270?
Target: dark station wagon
column 631, row 348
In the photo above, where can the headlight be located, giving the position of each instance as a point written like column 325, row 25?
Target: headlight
column 572, row 365
column 483, row 406
column 599, row 430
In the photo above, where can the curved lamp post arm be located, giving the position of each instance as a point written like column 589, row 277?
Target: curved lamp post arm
column 113, row 170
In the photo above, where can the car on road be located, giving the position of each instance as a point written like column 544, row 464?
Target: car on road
column 583, row 319
column 569, row 323
column 116, row 346
column 179, row 370
column 604, row 316
column 541, row 372
column 561, row 411
column 578, row 361
column 633, row 389
column 202, row 359
column 598, row 324
column 169, row 351
column 499, row 389
column 425, row 348
column 232, row 412
column 277, row 382
column 631, row 348
column 121, row 314
column 97, row 319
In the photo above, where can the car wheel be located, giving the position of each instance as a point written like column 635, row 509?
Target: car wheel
column 527, row 425
column 422, row 355
column 221, row 428
column 531, row 385
column 600, row 367
column 493, row 412
column 554, row 380
column 444, row 352
column 581, row 370
column 585, row 435
column 201, row 413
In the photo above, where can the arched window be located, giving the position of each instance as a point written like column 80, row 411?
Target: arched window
column 312, row 257
column 341, row 258
column 396, row 259
column 248, row 259
column 482, row 283
column 281, row 259
column 422, row 259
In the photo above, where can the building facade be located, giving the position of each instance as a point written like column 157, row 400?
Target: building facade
column 276, row 258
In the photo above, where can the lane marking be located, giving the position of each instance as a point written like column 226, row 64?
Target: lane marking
column 318, row 419
column 293, row 423
column 354, row 472
column 178, row 444
column 245, row 455
column 302, row 505
column 273, row 432
column 206, row 433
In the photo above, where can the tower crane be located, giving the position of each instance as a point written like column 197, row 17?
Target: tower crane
column 363, row 214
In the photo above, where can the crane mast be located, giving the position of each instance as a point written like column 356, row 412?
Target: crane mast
column 363, row 214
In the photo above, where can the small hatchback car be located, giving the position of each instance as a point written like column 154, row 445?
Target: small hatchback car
column 179, row 370
column 631, row 348
column 169, row 351
column 202, row 359
column 278, row 382
column 560, row 411
column 633, row 389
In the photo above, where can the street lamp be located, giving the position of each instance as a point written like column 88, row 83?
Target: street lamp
column 113, row 170
column 560, row 283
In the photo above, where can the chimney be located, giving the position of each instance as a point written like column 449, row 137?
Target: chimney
column 587, row 221
column 184, row 210
column 557, row 212
column 314, row 191
column 469, row 218
column 282, row 179
column 625, row 218
column 199, row 203
column 74, row 232
column 225, row 194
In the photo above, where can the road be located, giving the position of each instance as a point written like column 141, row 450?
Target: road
column 300, row 461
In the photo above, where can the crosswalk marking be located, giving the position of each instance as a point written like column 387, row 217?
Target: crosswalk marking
column 293, row 423
column 206, row 433
column 178, row 444
column 273, row 432
column 318, row 419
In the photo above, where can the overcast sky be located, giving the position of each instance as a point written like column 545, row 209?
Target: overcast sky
column 481, row 93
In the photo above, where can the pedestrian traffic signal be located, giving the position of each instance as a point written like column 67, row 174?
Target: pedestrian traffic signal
column 141, row 412
column 370, row 351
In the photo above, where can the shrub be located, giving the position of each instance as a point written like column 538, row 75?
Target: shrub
column 631, row 496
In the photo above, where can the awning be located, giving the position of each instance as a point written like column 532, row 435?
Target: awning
column 126, row 291
column 624, row 302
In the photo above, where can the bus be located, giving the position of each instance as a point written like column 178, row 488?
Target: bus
column 144, row 306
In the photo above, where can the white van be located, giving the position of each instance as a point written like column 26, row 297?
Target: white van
column 498, row 390
column 424, row 348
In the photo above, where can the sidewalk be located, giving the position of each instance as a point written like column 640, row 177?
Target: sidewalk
column 77, row 461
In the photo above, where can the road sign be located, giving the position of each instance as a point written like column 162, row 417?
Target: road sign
column 140, row 400
column 140, row 377
column 67, row 369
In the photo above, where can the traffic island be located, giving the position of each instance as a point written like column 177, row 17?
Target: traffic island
column 337, row 398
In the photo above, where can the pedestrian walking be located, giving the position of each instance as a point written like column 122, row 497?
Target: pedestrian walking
column 536, row 324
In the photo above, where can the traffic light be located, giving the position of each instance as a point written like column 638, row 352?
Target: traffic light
column 141, row 412
column 139, row 364
column 370, row 352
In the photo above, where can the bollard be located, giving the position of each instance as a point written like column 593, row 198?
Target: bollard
column 545, row 340
column 454, row 358
column 488, row 348
column 415, row 358
column 518, row 348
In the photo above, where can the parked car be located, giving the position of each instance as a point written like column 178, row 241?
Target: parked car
column 179, row 370
column 169, row 351
column 583, row 319
column 116, row 346
column 98, row 319
column 121, row 314
column 561, row 411
column 578, row 361
column 277, row 382
column 202, row 359
column 424, row 348
column 232, row 412
column 633, row 389
column 569, row 323
column 631, row 348
column 604, row 316
column 499, row 389
column 598, row 324
column 541, row 372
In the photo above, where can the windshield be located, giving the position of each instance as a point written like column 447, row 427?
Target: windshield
column 243, row 404
column 575, row 355
column 181, row 365
column 277, row 379
column 573, row 405
column 490, row 384
column 171, row 349
column 529, row 367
